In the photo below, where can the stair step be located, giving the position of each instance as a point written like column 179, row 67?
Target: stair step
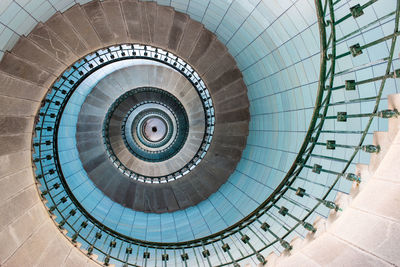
column 97, row 17
column 49, row 42
column 229, row 92
column 148, row 20
column 225, row 79
column 271, row 259
column 232, row 129
column 28, row 50
column 381, row 139
column 26, row 90
column 216, row 71
column 214, row 53
column 81, row 24
column 20, row 68
column 177, row 29
column 203, row 44
column 63, row 29
column 189, row 38
column 235, row 103
column 394, row 123
column 116, row 23
column 163, row 25
column 131, row 11
column 234, row 116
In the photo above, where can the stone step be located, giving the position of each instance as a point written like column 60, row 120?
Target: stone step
column 96, row 16
column 232, row 104
column 162, row 26
column 232, row 129
column 79, row 20
column 116, row 22
column 65, row 32
column 271, row 259
column 215, row 51
column 177, row 29
column 11, row 125
column 31, row 52
column 234, row 90
column 49, row 42
column 26, row 90
column 148, row 18
column 132, row 12
column 17, row 107
column 233, row 116
column 225, row 79
column 394, row 123
column 189, row 38
column 381, row 139
column 201, row 47
column 226, row 63
column 22, row 69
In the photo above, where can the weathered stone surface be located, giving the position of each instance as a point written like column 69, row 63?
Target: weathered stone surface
column 115, row 19
column 49, row 42
column 15, row 125
column 232, row 129
column 225, row 79
column 202, row 45
column 374, row 234
column 26, row 90
column 12, row 184
column 12, row 162
column 16, row 233
column 177, row 30
column 14, row 143
column 385, row 204
column 215, row 51
column 66, row 33
column 330, row 251
column 20, row 68
column 96, row 16
column 17, row 107
column 165, row 16
column 234, row 116
column 79, row 20
column 14, row 207
column 34, row 247
column 235, row 103
column 148, row 17
column 27, row 50
column 189, row 38
column 131, row 11
column 226, row 62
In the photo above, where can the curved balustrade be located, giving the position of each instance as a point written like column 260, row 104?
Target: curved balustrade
column 324, row 160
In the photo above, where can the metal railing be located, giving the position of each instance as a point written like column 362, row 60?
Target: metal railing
column 272, row 225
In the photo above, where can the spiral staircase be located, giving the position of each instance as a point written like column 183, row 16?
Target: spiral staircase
column 302, row 170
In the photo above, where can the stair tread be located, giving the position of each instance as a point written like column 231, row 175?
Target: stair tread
column 49, row 42
column 81, row 24
column 20, row 68
column 97, row 17
column 131, row 12
column 189, row 38
column 58, row 24
column 116, row 23
column 165, row 16
column 177, row 29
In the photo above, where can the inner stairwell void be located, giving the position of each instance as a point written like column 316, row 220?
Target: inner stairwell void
column 317, row 183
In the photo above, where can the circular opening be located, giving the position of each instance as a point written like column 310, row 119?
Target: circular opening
column 154, row 129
